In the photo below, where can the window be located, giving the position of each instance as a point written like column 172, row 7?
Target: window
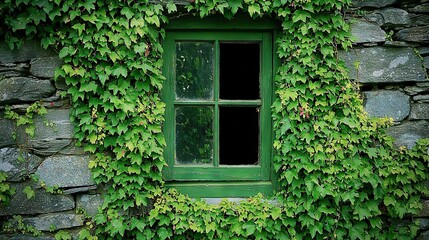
column 218, row 93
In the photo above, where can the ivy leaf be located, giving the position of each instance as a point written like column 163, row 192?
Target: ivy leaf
column 29, row 192
column 171, row 7
column 254, row 9
column 235, row 5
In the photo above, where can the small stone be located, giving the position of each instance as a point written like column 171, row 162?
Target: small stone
column 7, row 128
column 413, row 90
column 79, row 189
column 383, row 103
column 423, row 8
column 422, row 84
column 372, row 3
column 55, row 221
column 26, row 237
column 365, row 31
column 419, row 111
column 89, row 203
column 42, row 202
column 17, row 163
column 65, row 171
column 419, row 19
column 390, row 17
column 421, row 98
column 384, row 65
column 399, row 44
column 426, row 62
column 44, row 67
column 29, row 50
column 24, row 89
column 408, row 133
column 413, row 34
column 425, row 210
column 423, row 223
column 53, row 133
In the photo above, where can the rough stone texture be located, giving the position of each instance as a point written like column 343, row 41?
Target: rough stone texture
column 42, row 202
column 44, row 67
column 390, row 17
column 413, row 90
column 399, row 44
column 423, row 51
column 423, row 236
column 15, row 168
column 419, row 19
column 30, row 50
column 423, row 223
column 24, row 89
column 419, row 111
column 6, row 130
column 426, row 62
column 79, row 189
column 50, row 139
column 372, row 3
column 57, row 220
column 384, row 65
column 414, row 34
column 65, row 171
column 383, row 103
column 423, row 8
column 421, row 98
column 25, row 237
column 13, row 70
column 425, row 210
column 408, row 133
column 89, row 203
column 365, row 31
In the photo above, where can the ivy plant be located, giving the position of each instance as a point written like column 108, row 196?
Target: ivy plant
column 340, row 176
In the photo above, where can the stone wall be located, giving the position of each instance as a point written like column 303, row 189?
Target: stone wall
column 390, row 60
column 26, row 76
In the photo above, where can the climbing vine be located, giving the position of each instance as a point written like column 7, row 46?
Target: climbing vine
column 339, row 174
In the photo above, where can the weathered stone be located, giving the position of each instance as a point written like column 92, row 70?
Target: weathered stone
column 89, row 203
column 425, row 210
column 423, row 223
column 426, row 62
column 383, row 103
column 13, row 70
column 423, row 8
column 26, row 237
column 79, row 189
column 419, row 111
column 413, row 90
column 24, row 89
column 399, row 44
column 44, row 67
column 413, row 34
column 56, row 221
column 421, row 98
column 372, row 3
column 365, row 31
column 423, row 236
column 53, row 132
column 390, row 17
column 419, row 19
column 42, row 202
column 423, row 51
column 6, row 133
column 384, row 65
column 65, row 171
column 30, row 50
column 17, row 164
column 407, row 133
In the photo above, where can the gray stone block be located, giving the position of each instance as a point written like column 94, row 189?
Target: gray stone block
column 30, row 50
column 65, row 171
column 422, row 8
column 90, row 203
column 24, row 89
column 79, row 189
column 53, row 133
column 13, row 70
column 423, row 223
column 390, row 17
column 384, row 65
column 421, row 98
column 413, row 34
column 419, row 19
column 419, row 111
column 393, row 104
column 42, row 202
column 44, row 67
column 414, row 90
column 372, row 3
column 17, row 163
column 426, row 62
column 26, row 237
column 56, row 220
column 408, row 133
column 425, row 210
column 423, row 236
column 365, row 31
column 6, row 133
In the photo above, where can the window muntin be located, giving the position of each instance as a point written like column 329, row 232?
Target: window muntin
column 214, row 88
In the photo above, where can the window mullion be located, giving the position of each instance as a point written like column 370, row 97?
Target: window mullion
column 216, row 106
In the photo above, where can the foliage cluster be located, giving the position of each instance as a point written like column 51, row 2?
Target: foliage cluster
column 339, row 175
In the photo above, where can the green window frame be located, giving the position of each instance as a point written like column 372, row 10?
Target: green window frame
column 215, row 179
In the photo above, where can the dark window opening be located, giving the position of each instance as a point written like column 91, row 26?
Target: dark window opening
column 239, row 71
column 239, row 135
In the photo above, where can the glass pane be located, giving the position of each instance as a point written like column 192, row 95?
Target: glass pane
column 194, row 135
column 239, row 71
column 238, row 135
column 194, row 70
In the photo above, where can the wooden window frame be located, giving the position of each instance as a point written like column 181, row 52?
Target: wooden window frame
column 221, row 180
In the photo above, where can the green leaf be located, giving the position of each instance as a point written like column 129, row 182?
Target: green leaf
column 235, row 5
column 29, row 192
